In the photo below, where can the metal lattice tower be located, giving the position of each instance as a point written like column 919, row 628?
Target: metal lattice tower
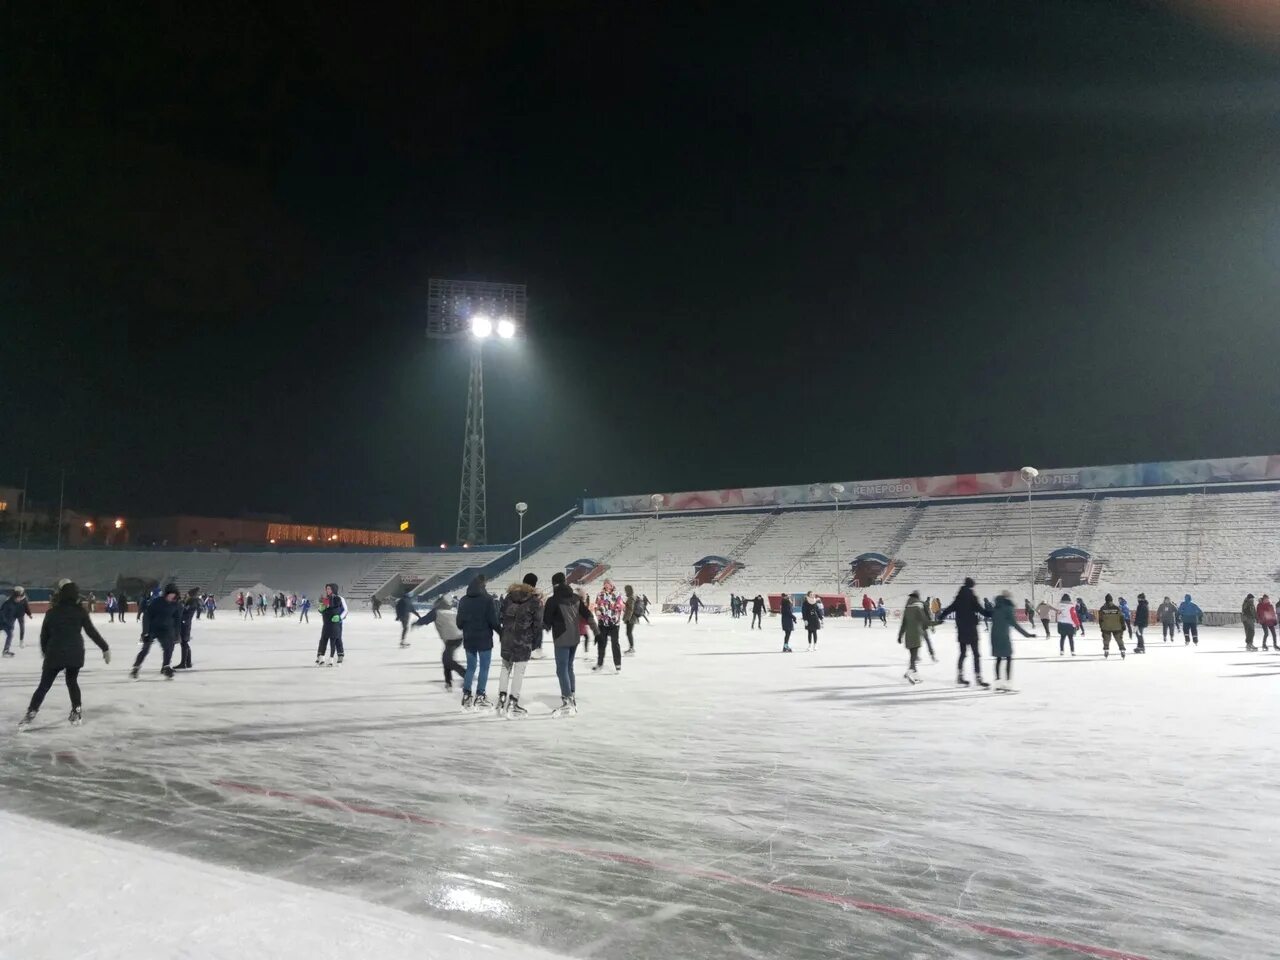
column 472, row 520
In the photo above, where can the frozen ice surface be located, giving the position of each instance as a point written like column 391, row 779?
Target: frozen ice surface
column 716, row 799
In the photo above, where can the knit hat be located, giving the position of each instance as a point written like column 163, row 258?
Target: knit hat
column 170, row 588
column 1108, row 598
column 913, row 595
column 19, row 591
column 530, row 580
column 1065, row 598
column 557, row 579
column 968, row 582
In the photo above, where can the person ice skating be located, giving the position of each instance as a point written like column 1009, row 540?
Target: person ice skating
column 882, row 613
column 112, row 605
column 812, row 618
column 988, row 609
column 1046, row 612
column 1082, row 615
column 1249, row 617
column 189, row 607
column 162, row 623
column 788, row 615
column 609, row 608
column 968, row 611
column 443, row 616
column 757, row 611
column 912, row 631
column 240, row 604
column 1111, row 623
column 62, row 646
column 375, row 604
column 334, row 615
column 12, row 611
column 1029, row 612
column 304, row 609
column 936, row 609
column 561, row 616
column 733, row 606
column 644, row 607
column 521, row 623
column 695, row 604
column 1267, row 621
column 1003, row 622
column 630, row 614
column 478, row 621
column 1068, row 620
column 1167, row 614
column 1191, row 616
column 1141, row 618
column 404, row 611
column 1128, row 616
column 868, row 610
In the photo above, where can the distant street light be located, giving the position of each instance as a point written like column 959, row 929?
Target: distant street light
column 1028, row 475
column 521, row 509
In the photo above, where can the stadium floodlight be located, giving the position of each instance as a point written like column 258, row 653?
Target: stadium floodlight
column 1028, row 475
column 506, row 328
column 481, row 326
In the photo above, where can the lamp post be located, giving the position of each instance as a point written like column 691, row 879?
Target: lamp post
column 836, row 489
column 521, row 507
column 657, row 500
column 1028, row 475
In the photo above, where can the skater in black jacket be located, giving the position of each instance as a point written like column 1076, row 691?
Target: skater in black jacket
column 968, row 612
column 161, row 622
column 757, row 611
column 62, row 645
column 403, row 611
column 190, row 607
column 334, row 614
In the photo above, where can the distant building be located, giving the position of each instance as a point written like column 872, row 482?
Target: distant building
column 195, row 531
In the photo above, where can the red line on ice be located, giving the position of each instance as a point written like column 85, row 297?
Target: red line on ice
column 804, row 893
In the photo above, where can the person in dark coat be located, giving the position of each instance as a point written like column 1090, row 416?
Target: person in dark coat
column 1141, row 618
column 695, row 604
column 812, row 617
column 62, row 645
column 788, row 622
column 968, row 611
column 403, row 610
column 11, row 613
column 190, row 607
column 478, row 621
column 162, row 622
column 1003, row 623
column 561, row 615
column 521, row 625
column 757, row 611
column 333, row 614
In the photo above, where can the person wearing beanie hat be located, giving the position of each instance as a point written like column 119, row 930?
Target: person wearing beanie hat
column 521, row 624
column 1249, row 617
column 968, row 612
column 1141, row 617
column 62, row 644
column 12, row 612
column 1111, row 623
column 162, row 622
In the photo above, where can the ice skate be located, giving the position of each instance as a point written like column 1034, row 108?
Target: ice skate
column 9, row 653
column 1106, row 654
column 403, row 644
column 339, row 658
column 911, row 677
column 133, row 674
column 26, row 720
column 1122, row 654
column 617, row 668
column 77, row 716
column 629, row 653
column 961, row 682
column 466, row 703
column 319, row 661
column 167, row 673
column 502, row 703
column 566, row 708
column 933, row 658
column 482, row 702
column 982, row 683
column 598, row 667
column 514, row 709
column 786, row 648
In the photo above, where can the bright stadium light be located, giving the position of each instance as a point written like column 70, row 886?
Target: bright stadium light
column 481, row 326
column 506, row 328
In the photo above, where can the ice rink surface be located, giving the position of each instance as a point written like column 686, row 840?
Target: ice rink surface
column 716, row 799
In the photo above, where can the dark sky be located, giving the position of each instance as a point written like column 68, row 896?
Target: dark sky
column 763, row 243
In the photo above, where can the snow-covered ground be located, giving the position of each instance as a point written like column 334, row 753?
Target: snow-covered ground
column 716, row 799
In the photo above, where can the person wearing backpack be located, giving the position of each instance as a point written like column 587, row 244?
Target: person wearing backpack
column 521, row 625
column 1111, row 623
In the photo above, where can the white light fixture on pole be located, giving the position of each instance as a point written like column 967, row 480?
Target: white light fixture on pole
column 657, row 500
column 836, row 489
column 1028, row 475
column 521, row 508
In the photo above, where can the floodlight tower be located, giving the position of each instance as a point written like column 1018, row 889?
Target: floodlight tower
column 474, row 311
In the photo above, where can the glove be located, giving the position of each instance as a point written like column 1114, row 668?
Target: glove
column 336, row 618
column 106, row 657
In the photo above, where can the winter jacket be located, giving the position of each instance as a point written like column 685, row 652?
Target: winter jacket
column 1167, row 613
column 1124, row 610
column 630, row 613
column 1266, row 613
column 809, row 613
column 60, row 636
column 521, row 622
column 162, row 620
column 1142, row 614
column 403, row 608
column 562, row 613
column 477, row 618
column 1045, row 611
column 446, row 621
column 695, row 603
column 1110, row 619
column 1189, row 612
column 1067, row 614
column 189, row 608
column 10, row 612
column 788, row 614
column 1003, row 620
column 1248, row 611
column 915, row 625
column 1082, row 610
column 609, row 607
column 867, row 603
column 968, row 612
column 757, row 604
column 1075, row 617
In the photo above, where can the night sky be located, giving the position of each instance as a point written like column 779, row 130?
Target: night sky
column 763, row 243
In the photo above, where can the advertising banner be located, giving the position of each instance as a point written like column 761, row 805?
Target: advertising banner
column 1119, row 476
